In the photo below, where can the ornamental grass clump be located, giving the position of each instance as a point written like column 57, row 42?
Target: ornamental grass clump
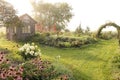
column 29, row 51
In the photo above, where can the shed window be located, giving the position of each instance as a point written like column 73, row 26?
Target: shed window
column 26, row 29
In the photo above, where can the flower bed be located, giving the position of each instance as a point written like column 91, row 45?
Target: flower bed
column 32, row 68
column 9, row 71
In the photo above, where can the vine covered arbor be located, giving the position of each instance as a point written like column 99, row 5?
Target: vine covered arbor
column 109, row 24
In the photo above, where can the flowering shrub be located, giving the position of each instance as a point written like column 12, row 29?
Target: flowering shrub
column 28, row 51
column 8, row 71
column 38, row 69
column 35, row 69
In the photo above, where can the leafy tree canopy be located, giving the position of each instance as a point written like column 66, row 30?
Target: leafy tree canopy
column 7, row 14
column 49, row 14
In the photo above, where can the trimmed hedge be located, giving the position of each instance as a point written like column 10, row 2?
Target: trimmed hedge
column 62, row 41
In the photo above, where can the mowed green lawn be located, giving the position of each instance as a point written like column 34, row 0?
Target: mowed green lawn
column 90, row 62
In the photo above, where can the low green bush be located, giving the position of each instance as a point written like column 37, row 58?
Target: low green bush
column 62, row 41
column 64, row 44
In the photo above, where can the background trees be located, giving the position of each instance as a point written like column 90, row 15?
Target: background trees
column 79, row 30
column 8, row 14
column 87, row 31
column 49, row 14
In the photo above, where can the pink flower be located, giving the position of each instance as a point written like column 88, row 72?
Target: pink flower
column 19, row 77
column 3, row 76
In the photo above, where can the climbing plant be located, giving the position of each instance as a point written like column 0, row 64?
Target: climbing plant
column 109, row 24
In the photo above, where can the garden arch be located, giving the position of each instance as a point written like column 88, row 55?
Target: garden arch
column 109, row 24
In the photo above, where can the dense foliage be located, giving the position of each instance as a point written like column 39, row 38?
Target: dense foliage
column 62, row 41
column 8, row 14
column 48, row 14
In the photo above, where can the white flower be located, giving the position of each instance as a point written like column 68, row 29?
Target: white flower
column 36, row 46
column 26, row 45
column 32, row 47
column 36, row 54
column 33, row 43
column 21, row 49
column 58, row 57
column 26, row 53
column 22, row 63
column 31, row 52
column 28, row 49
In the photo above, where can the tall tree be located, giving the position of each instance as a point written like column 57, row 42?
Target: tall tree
column 79, row 29
column 87, row 31
column 7, row 14
column 49, row 14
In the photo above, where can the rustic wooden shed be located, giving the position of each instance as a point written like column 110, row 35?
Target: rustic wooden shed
column 22, row 32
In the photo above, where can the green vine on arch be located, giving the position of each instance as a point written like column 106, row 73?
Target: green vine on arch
column 109, row 24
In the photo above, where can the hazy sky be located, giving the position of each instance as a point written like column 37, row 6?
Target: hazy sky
column 91, row 13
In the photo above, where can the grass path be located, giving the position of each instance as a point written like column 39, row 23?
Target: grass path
column 91, row 62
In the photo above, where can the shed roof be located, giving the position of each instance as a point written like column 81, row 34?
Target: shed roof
column 24, row 15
